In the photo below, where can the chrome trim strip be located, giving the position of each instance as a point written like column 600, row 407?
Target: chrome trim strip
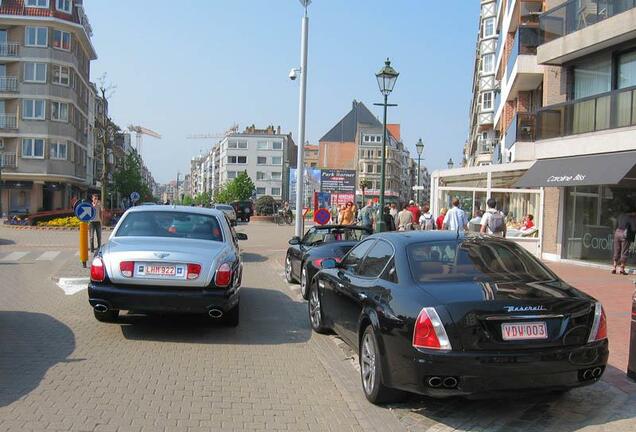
column 522, row 317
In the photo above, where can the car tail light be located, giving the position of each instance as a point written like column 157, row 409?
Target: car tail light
column 98, row 272
column 194, row 270
column 223, row 276
column 599, row 325
column 429, row 332
column 127, row 268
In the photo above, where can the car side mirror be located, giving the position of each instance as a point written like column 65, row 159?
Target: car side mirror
column 294, row 241
column 329, row 263
column 241, row 236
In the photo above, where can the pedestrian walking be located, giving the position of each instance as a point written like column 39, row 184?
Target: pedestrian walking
column 427, row 220
column 623, row 239
column 455, row 219
column 96, row 224
column 366, row 215
column 347, row 214
column 394, row 213
column 439, row 222
column 405, row 220
column 493, row 221
column 415, row 211
column 474, row 225
column 389, row 222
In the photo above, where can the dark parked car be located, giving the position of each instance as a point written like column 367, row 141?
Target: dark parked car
column 327, row 241
column 442, row 314
column 243, row 209
column 168, row 259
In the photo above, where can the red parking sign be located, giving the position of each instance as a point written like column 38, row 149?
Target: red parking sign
column 322, row 216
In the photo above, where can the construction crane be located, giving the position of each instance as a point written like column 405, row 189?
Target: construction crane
column 139, row 133
column 232, row 129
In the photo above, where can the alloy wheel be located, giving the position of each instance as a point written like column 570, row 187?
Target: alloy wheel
column 314, row 309
column 367, row 363
column 288, row 269
column 303, row 283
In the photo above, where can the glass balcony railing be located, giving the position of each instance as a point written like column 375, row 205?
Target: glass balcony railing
column 609, row 110
column 525, row 43
column 522, row 129
column 575, row 15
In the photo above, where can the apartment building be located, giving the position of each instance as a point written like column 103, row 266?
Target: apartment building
column 482, row 139
column 311, row 155
column 45, row 56
column 369, row 166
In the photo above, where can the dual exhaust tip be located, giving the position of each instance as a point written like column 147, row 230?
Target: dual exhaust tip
column 101, row 308
column 446, row 382
column 592, row 373
column 212, row 313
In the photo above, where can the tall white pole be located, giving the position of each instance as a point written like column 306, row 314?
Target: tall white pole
column 300, row 161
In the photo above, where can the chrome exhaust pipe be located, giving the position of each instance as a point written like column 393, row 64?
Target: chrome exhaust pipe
column 215, row 313
column 100, row 308
column 587, row 374
column 596, row 372
column 434, row 382
column 450, row 382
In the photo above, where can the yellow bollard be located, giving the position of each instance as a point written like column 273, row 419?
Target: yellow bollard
column 83, row 242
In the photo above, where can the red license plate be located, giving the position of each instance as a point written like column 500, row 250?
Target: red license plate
column 161, row 270
column 524, row 331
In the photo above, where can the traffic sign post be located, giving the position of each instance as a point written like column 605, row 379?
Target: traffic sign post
column 85, row 212
column 322, row 216
column 134, row 197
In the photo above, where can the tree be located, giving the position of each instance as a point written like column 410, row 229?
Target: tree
column 128, row 179
column 241, row 188
column 222, row 195
column 364, row 185
column 265, row 205
column 187, row 200
column 203, row 199
column 105, row 131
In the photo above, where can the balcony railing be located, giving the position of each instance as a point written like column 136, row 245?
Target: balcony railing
column 522, row 129
column 575, row 15
column 8, row 121
column 525, row 43
column 485, row 146
column 8, row 160
column 9, row 49
column 8, row 84
column 609, row 110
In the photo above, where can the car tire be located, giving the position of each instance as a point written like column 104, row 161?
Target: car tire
column 232, row 316
column 371, row 371
column 314, row 308
column 288, row 270
column 304, row 283
column 110, row 316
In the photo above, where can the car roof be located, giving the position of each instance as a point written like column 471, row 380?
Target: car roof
column 409, row 237
column 179, row 209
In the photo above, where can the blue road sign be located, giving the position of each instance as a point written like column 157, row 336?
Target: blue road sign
column 134, row 197
column 322, row 216
column 85, row 212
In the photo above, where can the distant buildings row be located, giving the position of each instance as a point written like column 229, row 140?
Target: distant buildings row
column 50, row 111
column 354, row 143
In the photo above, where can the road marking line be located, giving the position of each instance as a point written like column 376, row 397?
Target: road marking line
column 14, row 256
column 48, row 256
column 72, row 286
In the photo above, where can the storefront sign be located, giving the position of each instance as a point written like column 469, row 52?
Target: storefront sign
column 338, row 181
column 566, row 178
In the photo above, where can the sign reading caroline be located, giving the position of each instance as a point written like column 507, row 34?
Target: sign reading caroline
column 338, row 181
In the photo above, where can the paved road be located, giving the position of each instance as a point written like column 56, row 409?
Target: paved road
column 62, row 370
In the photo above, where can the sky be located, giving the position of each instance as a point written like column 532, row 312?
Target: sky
column 199, row 66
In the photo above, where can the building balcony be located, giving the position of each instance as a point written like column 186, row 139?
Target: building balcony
column 611, row 110
column 8, row 160
column 8, row 84
column 577, row 28
column 525, row 44
column 8, row 122
column 522, row 128
column 9, row 49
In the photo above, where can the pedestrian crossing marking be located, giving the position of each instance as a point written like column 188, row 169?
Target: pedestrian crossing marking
column 48, row 256
column 13, row 256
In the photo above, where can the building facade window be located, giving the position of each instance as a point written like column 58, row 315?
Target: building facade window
column 486, row 101
column 261, row 160
column 61, row 75
column 37, row 3
column 35, row 72
column 277, row 160
column 276, row 191
column 260, row 191
column 276, row 175
column 58, row 151
column 61, row 40
column 231, row 175
column 488, row 64
column 32, row 148
column 261, row 145
column 33, row 109
column 627, row 70
column 237, row 159
column 488, row 28
column 59, row 111
column 36, row 36
column 64, row 6
column 277, row 145
column 370, row 168
column 260, row 175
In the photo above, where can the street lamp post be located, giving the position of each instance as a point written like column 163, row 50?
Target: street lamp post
column 302, row 105
column 450, row 163
column 387, row 76
column 420, row 148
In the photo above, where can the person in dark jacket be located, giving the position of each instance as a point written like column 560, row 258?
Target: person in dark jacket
column 623, row 239
column 389, row 222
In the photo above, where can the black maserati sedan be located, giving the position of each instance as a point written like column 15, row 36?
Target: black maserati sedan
column 305, row 255
column 446, row 314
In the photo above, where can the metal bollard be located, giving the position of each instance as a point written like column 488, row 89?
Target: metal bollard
column 631, row 362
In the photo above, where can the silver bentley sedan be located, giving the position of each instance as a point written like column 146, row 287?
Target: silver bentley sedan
column 169, row 259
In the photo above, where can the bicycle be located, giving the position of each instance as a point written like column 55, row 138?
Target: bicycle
column 283, row 218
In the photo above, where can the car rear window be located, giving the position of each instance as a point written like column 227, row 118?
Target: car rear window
column 493, row 261
column 170, row 225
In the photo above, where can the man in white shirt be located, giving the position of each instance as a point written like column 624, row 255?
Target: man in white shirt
column 455, row 219
column 493, row 222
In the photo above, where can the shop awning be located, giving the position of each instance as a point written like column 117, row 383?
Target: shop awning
column 587, row 170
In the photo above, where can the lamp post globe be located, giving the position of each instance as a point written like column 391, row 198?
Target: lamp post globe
column 419, row 146
column 450, row 163
column 387, row 76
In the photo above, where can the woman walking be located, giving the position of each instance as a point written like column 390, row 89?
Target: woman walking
column 623, row 239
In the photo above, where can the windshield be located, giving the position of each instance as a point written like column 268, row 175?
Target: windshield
column 326, row 235
column 171, row 225
column 474, row 260
column 224, row 207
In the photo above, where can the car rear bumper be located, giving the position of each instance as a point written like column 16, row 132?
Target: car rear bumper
column 505, row 372
column 162, row 299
